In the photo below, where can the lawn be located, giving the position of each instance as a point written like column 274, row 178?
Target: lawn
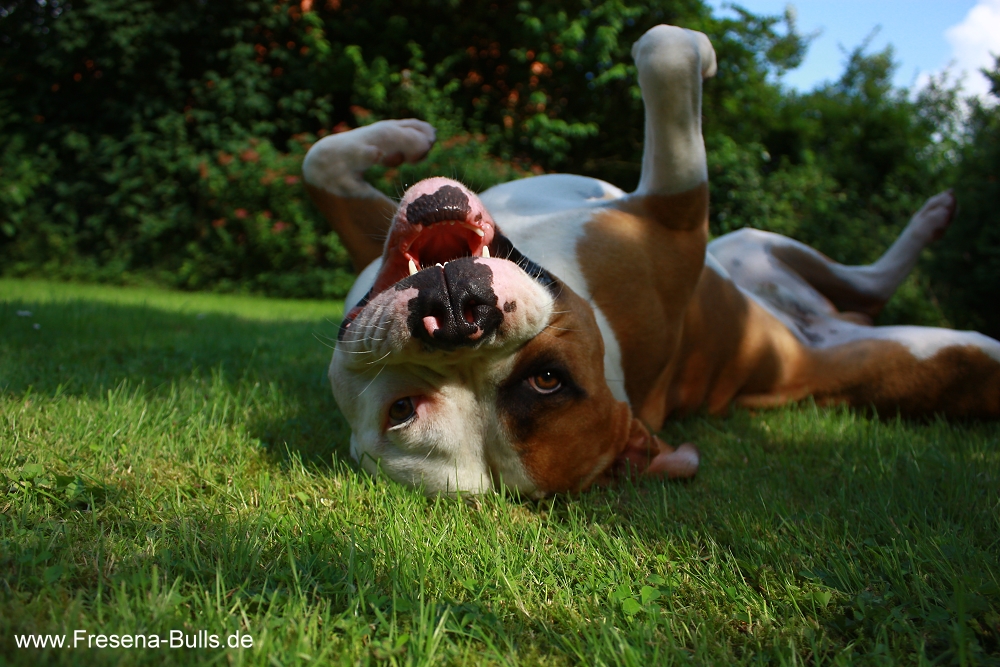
column 176, row 462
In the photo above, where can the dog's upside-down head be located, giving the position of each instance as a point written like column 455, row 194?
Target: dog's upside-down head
column 467, row 366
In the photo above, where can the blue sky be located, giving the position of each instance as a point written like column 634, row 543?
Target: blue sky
column 926, row 35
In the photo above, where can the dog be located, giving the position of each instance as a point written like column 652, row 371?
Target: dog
column 536, row 336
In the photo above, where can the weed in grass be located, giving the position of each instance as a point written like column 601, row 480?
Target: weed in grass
column 176, row 462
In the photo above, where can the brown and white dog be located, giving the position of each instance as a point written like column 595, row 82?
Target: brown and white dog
column 535, row 335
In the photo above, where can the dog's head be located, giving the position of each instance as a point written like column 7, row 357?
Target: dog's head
column 467, row 366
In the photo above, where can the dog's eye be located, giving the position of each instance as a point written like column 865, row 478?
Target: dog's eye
column 401, row 411
column 546, row 382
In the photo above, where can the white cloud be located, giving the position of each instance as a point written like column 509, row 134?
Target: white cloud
column 972, row 41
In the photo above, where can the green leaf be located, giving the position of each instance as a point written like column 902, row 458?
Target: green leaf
column 937, row 614
column 631, row 606
column 822, row 598
column 621, row 593
column 31, row 471
column 53, row 574
column 74, row 489
column 62, row 481
column 648, row 594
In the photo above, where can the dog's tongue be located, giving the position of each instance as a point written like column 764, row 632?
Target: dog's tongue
column 438, row 220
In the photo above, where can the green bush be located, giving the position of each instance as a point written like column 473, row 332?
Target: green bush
column 842, row 168
column 966, row 268
column 127, row 109
column 148, row 139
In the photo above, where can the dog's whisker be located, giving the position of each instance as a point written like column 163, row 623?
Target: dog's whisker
column 325, row 343
column 371, row 363
column 373, row 380
column 374, row 340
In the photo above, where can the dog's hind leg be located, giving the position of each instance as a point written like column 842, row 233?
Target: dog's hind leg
column 334, row 175
column 849, row 292
column 867, row 288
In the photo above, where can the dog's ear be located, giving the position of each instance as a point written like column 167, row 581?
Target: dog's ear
column 647, row 455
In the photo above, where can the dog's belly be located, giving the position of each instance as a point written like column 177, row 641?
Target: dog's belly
column 529, row 198
column 813, row 320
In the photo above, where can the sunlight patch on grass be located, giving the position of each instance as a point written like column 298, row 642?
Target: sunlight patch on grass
column 42, row 292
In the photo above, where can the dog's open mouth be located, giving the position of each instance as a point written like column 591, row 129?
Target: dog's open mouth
column 444, row 241
column 444, row 224
column 434, row 228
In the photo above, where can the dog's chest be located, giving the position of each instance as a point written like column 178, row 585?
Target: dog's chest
column 546, row 218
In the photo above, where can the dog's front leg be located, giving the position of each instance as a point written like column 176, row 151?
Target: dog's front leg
column 334, row 175
column 645, row 252
column 671, row 63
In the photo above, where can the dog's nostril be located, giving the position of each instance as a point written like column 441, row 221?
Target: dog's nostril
column 473, row 310
column 447, row 203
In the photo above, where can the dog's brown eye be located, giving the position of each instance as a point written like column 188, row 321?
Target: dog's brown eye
column 545, row 382
column 400, row 411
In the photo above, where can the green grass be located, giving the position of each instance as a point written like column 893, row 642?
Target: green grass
column 176, row 462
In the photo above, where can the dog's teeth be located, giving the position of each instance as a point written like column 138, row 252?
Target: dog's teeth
column 413, row 267
column 479, row 232
column 486, row 252
column 440, row 264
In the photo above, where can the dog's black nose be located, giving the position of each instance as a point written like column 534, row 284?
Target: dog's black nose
column 455, row 306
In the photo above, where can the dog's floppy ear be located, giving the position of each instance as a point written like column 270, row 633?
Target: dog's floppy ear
column 647, row 455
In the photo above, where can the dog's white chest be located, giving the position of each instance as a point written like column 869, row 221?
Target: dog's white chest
column 545, row 218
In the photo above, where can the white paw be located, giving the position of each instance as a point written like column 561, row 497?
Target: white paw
column 336, row 163
column 935, row 216
column 398, row 141
column 673, row 47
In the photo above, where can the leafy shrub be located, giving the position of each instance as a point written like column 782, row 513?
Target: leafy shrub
column 125, row 108
column 155, row 139
column 966, row 268
column 842, row 168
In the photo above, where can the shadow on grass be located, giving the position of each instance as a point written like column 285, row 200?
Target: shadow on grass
column 86, row 349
